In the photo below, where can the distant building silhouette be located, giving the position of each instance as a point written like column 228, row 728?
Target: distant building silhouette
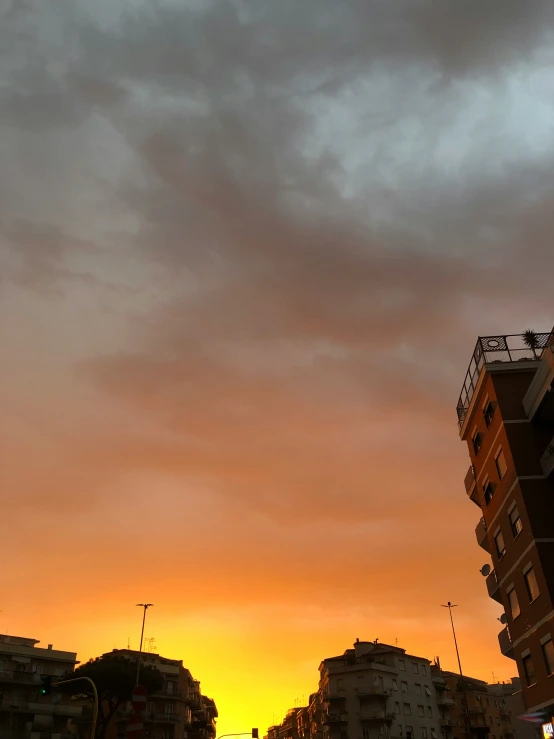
column 378, row 691
column 178, row 710
column 24, row 712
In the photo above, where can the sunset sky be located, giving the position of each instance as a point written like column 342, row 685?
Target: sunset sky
column 245, row 250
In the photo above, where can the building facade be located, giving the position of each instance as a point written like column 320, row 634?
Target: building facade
column 506, row 416
column 373, row 690
column 177, row 711
column 24, row 712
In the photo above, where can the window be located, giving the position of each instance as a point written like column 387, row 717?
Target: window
column 499, row 544
column 401, row 665
column 515, row 522
column 399, row 729
column 498, row 720
column 500, row 462
column 476, row 441
column 423, row 732
column 404, row 687
column 427, row 691
column 488, row 490
column 488, row 412
column 169, row 687
column 415, row 668
column 528, row 669
column 397, row 707
column 149, row 707
column 495, row 702
column 514, row 605
column 420, row 711
column 429, row 712
column 409, row 731
column 169, row 707
column 418, row 689
column 531, row 584
column 548, row 654
column 490, row 720
column 394, row 684
column 365, row 732
column 423, row 670
column 407, row 709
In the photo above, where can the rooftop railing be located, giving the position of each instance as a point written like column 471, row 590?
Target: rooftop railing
column 496, row 350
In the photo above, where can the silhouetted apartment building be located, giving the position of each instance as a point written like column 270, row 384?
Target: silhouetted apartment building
column 486, row 711
column 24, row 713
column 177, row 711
column 373, row 690
column 506, row 416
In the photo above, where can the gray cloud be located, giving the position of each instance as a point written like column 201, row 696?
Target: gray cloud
column 332, row 198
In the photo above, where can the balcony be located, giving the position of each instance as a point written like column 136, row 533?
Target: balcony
column 378, row 716
column 505, row 643
column 334, row 718
column 166, row 718
column 469, row 479
column 374, row 691
column 443, row 700
column 547, row 459
column 481, row 535
column 16, row 676
column 493, row 587
column 333, row 697
column 495, row 350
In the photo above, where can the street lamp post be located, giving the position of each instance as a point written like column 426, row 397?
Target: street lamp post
column 450, row 606
column 146, row 606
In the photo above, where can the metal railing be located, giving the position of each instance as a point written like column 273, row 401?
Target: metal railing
column 494, row 350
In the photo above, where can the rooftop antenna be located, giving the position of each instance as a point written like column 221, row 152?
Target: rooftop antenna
column 493, row 677
column 128, row 643
column 396, row 641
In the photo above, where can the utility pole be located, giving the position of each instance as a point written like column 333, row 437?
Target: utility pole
column 146, row 606
column 450, row 606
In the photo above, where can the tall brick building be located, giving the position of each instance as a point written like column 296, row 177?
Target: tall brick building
column 506, row 416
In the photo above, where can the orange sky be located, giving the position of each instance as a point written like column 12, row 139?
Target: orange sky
column 245, row 252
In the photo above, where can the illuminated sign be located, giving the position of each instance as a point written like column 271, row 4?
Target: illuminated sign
column 548, row 731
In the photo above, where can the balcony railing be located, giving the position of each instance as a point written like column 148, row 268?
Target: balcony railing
column 505, row 643
column 481, row 535
column 469, row 479
column 493, row 587
column 17, row 676
column 494, row 350
column 377, row 716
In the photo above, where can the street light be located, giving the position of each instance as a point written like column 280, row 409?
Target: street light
column 146, row 606
column 450, row 606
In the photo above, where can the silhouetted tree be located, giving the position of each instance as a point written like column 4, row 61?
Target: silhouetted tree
column 114, row 677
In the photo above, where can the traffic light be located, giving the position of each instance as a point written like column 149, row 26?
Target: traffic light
column 46, row 687
column 254, row 733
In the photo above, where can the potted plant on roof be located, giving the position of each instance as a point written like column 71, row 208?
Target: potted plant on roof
column 531, row 341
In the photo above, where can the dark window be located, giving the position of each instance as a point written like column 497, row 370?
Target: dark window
column 515, row 522
column 499, row 543
column 477, row 442
column 488, row 491
column 528, row 669
column 531, row 584
column 488, row 412
column 501, row 466
column 548, row 654
column 514, row 606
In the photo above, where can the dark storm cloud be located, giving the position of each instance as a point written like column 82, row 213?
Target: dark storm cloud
column 303, row 299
